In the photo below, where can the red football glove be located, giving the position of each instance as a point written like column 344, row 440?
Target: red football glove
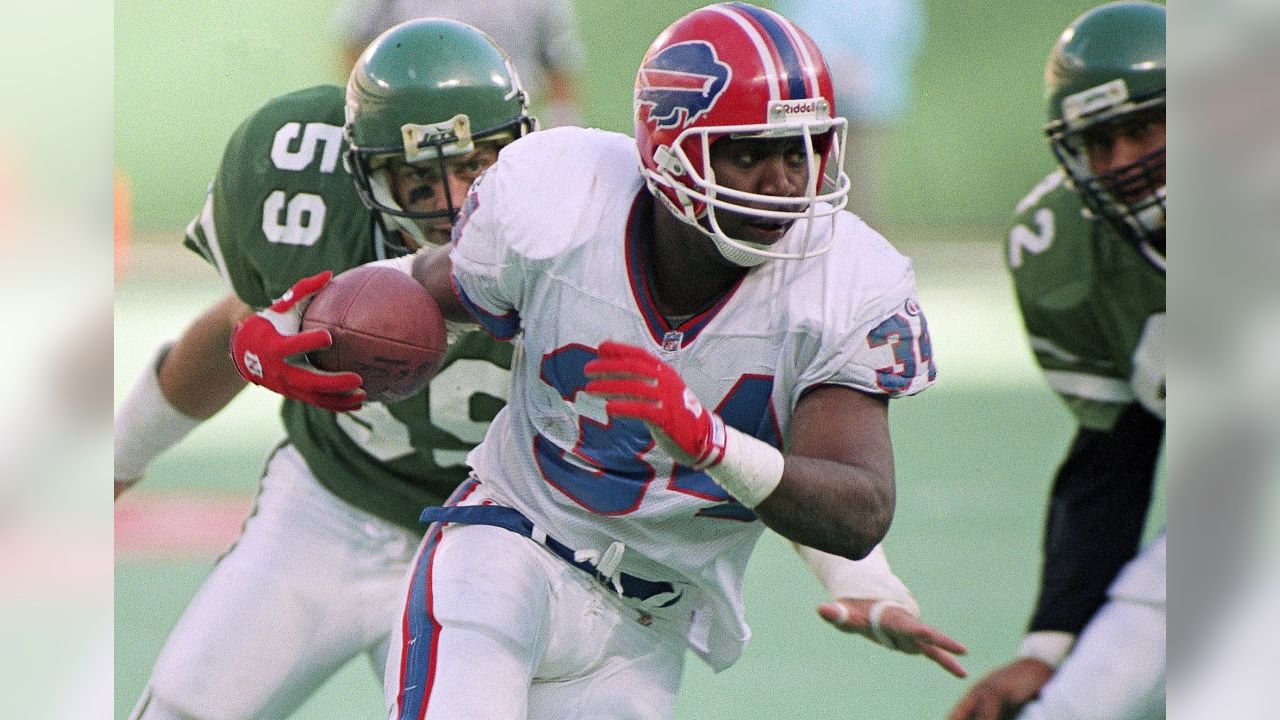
column 641, row 386
column 263, row 344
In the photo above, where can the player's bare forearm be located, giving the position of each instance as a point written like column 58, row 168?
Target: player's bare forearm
column 432, row 268
column 829, row 506
column 197, row 376
column 833, row 492
column 837, row 489
column 1003, row 692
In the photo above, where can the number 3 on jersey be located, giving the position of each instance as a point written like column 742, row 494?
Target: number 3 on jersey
column 910, row 349
column 299, row 219
column 623, row 444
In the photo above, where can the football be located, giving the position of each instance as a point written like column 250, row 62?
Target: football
column 385, row 326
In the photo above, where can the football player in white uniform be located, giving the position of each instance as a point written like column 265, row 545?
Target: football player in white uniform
column 707, row 348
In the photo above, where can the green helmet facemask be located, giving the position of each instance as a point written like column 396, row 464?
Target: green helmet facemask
column 424, row 92
column 1108, row 67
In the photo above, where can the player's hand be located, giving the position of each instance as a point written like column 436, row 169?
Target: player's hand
column 896, row 629
column 639, row 385
column 1002, row 693
column 269, row 350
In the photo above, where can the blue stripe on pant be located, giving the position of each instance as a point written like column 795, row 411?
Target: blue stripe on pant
column 421, row 632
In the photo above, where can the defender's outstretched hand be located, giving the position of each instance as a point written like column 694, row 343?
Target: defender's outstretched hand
column 1002, row 693
column 269, row 350
column 894, row 627
column 639, row 385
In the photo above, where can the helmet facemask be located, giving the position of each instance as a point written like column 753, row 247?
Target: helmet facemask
column 438, row 150
column 1133, row 197
column 684, row 172
column 1105, row 80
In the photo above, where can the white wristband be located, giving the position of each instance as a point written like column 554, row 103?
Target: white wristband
column 147, row 425
column 1048, row 646
column 750, row 469
column 865, row 579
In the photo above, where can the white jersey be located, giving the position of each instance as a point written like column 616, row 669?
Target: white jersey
column 549, row 246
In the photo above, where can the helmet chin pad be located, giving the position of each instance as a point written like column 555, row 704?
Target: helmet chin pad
column 689, row 189
column 728, row 249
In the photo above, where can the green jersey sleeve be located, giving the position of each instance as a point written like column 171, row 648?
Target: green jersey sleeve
column 1093, row 308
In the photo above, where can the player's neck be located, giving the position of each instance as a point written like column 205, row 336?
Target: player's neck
column 687, row 272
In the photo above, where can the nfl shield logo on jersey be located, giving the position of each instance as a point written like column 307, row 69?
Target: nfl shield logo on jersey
column 671, row 341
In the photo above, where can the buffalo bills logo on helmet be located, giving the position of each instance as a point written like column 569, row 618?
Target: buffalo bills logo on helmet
column 681, row 83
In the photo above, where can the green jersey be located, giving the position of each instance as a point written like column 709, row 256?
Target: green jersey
column 1093, row 307
column 283, row 207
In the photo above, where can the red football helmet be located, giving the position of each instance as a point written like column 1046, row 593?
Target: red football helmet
column 737, row 69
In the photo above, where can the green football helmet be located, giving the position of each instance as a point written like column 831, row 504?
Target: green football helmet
column 425, row 91
column 1108, row 67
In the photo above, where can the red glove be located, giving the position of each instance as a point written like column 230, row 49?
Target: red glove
column 262, row 345
column 641, row 386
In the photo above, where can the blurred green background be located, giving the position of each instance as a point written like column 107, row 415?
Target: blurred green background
column 975, row 454
column 188, row 73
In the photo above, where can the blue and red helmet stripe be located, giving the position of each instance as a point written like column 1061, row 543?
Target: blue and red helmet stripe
column 794, row 75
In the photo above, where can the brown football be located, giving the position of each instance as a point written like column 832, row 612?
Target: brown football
column 385, row 326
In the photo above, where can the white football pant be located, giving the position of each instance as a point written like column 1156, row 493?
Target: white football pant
column 496, row 626
column 1117, row 669
column 311, row 583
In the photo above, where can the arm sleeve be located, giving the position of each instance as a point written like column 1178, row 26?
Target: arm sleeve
column 486, row 272
column 1096, row 514
column 887, row 352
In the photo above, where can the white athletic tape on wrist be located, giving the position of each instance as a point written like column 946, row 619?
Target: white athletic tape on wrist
column 1050, row 647
column 842, row 618
column 147, row 424
column 750, row 469
column 870, row 578
column 877, row 630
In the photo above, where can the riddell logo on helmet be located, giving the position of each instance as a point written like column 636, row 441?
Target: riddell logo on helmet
column 681, row 84
column 803, row 109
